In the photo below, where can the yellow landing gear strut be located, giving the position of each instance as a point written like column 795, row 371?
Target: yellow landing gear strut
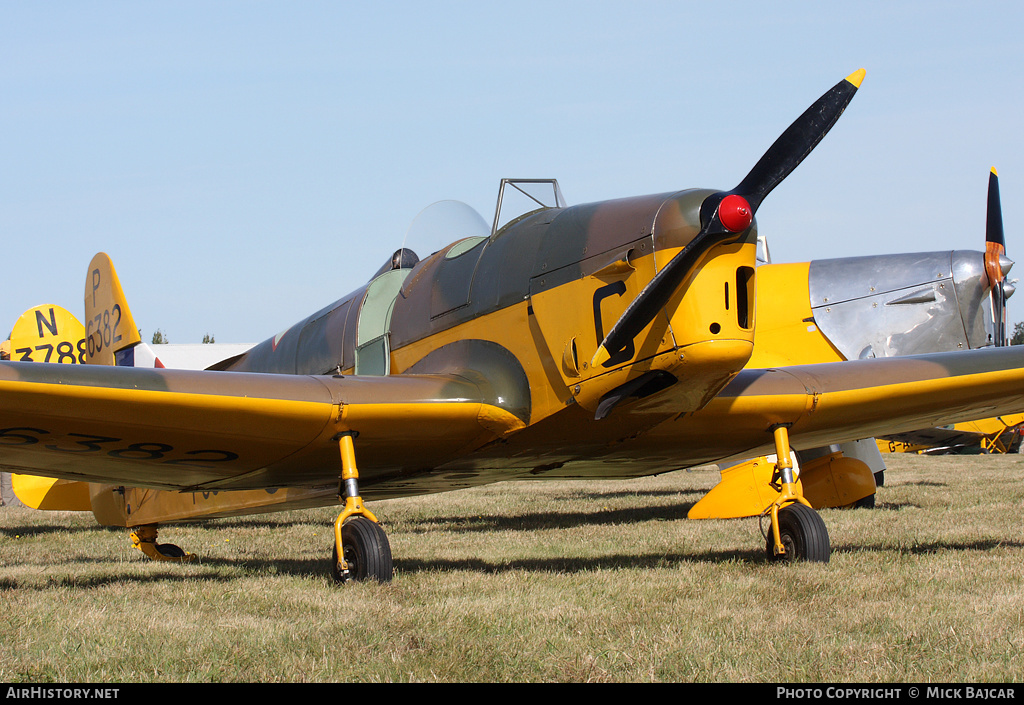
column 144, row 539
column 361, row 548
column 797, row 532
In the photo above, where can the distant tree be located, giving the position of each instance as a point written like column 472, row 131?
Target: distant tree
column 159, row 338
column 207, row 339
column 1018, row 334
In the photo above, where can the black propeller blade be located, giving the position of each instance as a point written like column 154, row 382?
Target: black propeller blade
column 995, row 250
column 994, row 222
column 728, row 213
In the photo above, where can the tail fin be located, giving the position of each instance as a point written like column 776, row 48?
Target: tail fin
column 110, row 331
column 48, row 333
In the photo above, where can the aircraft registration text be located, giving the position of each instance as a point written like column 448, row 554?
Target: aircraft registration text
column 87, row 443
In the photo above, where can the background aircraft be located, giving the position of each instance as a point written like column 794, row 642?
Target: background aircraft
column 608, row 339
column 1000, row 434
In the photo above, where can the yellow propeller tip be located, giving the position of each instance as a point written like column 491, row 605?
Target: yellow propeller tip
column 994, row 171
column 600, row 357
column 856, row 77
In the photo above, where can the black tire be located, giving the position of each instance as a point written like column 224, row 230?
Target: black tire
column 803, row 534
column 367, row 552
column 865, row 502
column 170, row 550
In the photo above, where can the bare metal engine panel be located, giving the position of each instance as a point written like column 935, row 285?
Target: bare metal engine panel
column 894, row 305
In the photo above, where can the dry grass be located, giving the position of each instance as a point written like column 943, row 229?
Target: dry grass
column 597, row 581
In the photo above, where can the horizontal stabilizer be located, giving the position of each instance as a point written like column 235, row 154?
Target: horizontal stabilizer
column 50, row 494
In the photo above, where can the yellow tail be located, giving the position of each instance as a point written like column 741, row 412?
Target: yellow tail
column 109, row 325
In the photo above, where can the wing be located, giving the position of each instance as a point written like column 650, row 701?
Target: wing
column 844, row 401
column 174, row 429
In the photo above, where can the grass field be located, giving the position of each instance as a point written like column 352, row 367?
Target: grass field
column 534, row 581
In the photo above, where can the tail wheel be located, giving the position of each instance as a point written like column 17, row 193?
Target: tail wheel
column 803, row 535
column 170, row 550
column 367, row 552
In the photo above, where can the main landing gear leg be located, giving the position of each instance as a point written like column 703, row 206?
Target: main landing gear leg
column 361, row 548
column 797, row 532
column 144, row 539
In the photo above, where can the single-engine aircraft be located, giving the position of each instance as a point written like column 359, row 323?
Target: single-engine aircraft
column 601, row 340
column 867, row 306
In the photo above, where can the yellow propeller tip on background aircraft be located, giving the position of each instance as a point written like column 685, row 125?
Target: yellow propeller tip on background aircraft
column 606, row 339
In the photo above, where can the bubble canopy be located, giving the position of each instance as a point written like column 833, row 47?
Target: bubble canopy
column 446, row 222
column 442, row 223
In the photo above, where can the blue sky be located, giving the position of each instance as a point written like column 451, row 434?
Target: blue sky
column 246, row 163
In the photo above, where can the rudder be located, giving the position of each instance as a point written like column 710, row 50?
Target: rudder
column 109, row 326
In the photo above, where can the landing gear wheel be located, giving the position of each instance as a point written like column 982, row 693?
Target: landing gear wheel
column 865, row 502
column 367, row 552
column 803, row 534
